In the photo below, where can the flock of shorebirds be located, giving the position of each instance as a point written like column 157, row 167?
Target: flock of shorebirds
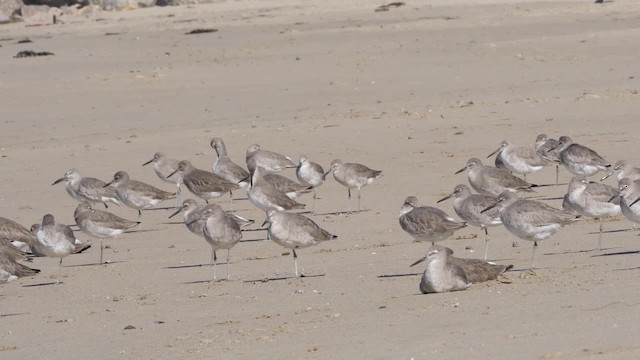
column 497, row 202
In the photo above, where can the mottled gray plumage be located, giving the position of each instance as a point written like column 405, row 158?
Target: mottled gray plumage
column 285, row 185
column 88, row 189
column 488, row 180
column 530, row 220
column 204, row 184
column 312, row 174
column 268, row 160
column 623, row 170
column 548, row 150
column 9, row 255
column 519, row 159
column 11, row 231
column 441, row 275
column 225, row 167
column 192, row 215
column 353, row 176
column 221, row 231
column 136, row 194
column 628, row 193
column 469, row 208
column 579, row 159
column 163, row 167
column 54, row 240
column 294, row 231
column 427, row 223
column 264, row 195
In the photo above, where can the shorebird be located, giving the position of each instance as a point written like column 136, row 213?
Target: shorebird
column 294, row 231
column 469, row 208
column 530, row 220
column 101, row 224
column 353, row 176
column 227, row 169
column 285, row 185
column 547, row 149
column 475, row 270
column 518, row 159
column 18, row 235
column 592, row 200
column 312, row 174
column 204, row 184
column 136, row 194
column 264, row 195
column 623, row 170
column 193, row 219
column 629, row 192
column 88, row 189
column 78, row 245
column 440, row 274
column 54, row 240
column 221, row 231
column 579, row 159
column 163, row 166
column 269, row 160
column 9, row 256
column 488, row 180
column 426, row 223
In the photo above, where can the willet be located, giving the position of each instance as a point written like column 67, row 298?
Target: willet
column 426, row 223
column 227, row 169
column 629, row 192
column 475, row 270
column 441, row 275
column 78, row 245
column 285, row 185
column 264, row 195
column 163, row 166
column 136, row 194
column 88, row 189
column 519, row 159
column 469, row 208
column 55, row 240
column 269, row 160
column 547, row 149
column 17, row 234
column 221, row 231
column 353, row 176
column 204, row 184
column 100, row 224
column 579, row 159
column 9, row 256
column 192, row 215
column 294, row 231
column 488, row 180
column 312, row 174
column 530, row 220
column 623, row 170
column 592, row 200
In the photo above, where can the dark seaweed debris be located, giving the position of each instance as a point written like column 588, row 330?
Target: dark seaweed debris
column 30, row 53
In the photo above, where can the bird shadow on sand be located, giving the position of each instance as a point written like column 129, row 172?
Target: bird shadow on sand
column 631, row 252
column 570, row 252
column 94, row 264
column 627, row 269
column 283, row 278
column 14, row 314
column 386, row 276
column 44, row 284
column 253, row 240
column 186, row 266
column 334, row 213
column 611, row 231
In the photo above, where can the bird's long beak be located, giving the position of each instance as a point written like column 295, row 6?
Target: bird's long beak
column 194, row 220
column 148, row 162
column 446, row 197
column 616, row 195
column 327, row 173
column 170, row 175
column 176, row 213
column 419, row 261
column 107, row 184
column 58, row 181
column 493, row 153
column 608, row 174
column 266, row 221
column 635, row 201
column 461, row 170
column 489, row 208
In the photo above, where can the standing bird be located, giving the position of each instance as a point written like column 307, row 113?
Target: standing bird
column 269, row 160
column 519, row 159
column 88, row 189
column 204, row 184
column 264, row 195
column 623, row 170
column 221, row 231
column 488, row 180
column 441, row 275
column 628, row 192
column 100, row 224
column 547, row 150
column 54, row 240
column 163, row 166
column 426, row 223
column 312, row 174
column 294, row 231
column 592, row 200
column 285, row 185
column 192, row 215
column 225, row 168
column 530, row 220
column 136, row 194
column 579, row 159
column 475, row 270
column 353, row 176
column 469, row 208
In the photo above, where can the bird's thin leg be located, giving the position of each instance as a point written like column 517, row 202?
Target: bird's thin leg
column 59, row 271
column 348, row 193
column 231, row 201
column 533, row 256
column 101, row 250
column 228, row 261
column 105, row 205
column 214, row 260
column 177, row 195
column 486, row 243
column 557, row 173
column 313, row 207
column 600, row 236
column 358, row 199
column 525, row 177
column 295, row 262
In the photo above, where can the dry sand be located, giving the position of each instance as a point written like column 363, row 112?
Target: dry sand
column 331, row 79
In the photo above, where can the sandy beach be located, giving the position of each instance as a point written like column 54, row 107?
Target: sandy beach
column 414, row 91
